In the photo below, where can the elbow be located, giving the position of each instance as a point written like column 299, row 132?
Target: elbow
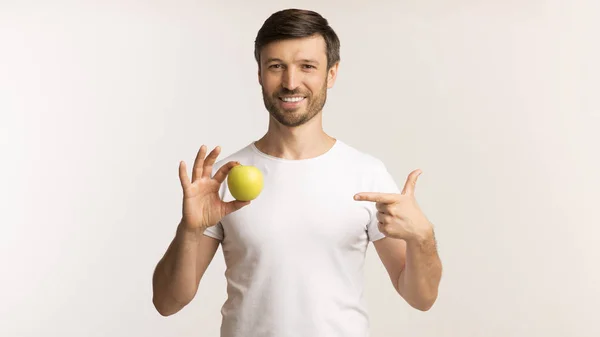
column 424, row 303
column 166, row 308
column 161, row 308
column 421, row 300
column 167, row 303
column 425, row 306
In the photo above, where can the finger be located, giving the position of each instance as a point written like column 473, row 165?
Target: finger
column 198, row 163
column 382, row 229
column 383, row 208
column 411, row 182
column 386, row 198
column 388, row 209
column 383, row 218
column 224, row 170
column 235, row 205
column 183, row 176
column 209, row 161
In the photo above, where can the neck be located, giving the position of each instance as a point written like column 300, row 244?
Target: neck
column 295, row 143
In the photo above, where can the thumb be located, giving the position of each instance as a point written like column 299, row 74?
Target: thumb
column 411, row 182
column 235, row 205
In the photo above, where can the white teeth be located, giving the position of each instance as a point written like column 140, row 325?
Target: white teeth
column 292, row 99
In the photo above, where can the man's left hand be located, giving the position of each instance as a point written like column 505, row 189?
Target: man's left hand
column 399, row 215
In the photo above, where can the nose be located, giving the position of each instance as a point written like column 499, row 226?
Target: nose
column 290, row 80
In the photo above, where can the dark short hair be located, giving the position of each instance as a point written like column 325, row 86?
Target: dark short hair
column 297, row 23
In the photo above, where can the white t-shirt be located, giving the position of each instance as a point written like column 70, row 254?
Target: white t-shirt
column 295, row 255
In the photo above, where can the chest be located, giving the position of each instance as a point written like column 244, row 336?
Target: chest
column 301, row 211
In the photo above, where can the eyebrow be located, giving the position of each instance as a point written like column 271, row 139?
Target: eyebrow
column 274, row 59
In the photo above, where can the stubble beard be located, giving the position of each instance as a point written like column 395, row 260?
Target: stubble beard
column 297, row 117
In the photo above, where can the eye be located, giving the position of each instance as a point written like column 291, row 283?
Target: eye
column 309, row 66
column 275, row 66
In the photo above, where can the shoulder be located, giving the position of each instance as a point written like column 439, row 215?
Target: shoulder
column 372, row 169
column 361, row 159
column 242, row 155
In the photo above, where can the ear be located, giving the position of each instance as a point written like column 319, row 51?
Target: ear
column 332, row 75
column 259, row 77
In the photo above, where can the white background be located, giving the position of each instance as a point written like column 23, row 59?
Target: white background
column 496, row 101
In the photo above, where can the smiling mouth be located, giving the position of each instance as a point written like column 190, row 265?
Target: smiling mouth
column 293, row 99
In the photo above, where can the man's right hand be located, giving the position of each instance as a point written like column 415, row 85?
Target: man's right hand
column 202, row 205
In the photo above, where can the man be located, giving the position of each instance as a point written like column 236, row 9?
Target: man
column 295, row 254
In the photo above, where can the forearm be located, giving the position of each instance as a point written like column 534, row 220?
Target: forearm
column 418, row 282
column 174, row 281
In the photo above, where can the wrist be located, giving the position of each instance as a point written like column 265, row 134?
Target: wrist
column 422, row 236
column 188, row 233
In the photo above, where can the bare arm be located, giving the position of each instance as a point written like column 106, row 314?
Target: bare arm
column 419, row 280
column 409, row 250
column 414, row 268
column 178, row 274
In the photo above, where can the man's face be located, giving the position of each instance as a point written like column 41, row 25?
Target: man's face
column 294, row 79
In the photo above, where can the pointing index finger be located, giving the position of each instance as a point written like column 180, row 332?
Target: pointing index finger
column 386, row 198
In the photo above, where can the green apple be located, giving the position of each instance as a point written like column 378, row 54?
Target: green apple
column 245, row 182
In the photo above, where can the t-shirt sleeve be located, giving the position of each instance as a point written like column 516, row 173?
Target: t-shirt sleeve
column 215, row 231
column 382, row 182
